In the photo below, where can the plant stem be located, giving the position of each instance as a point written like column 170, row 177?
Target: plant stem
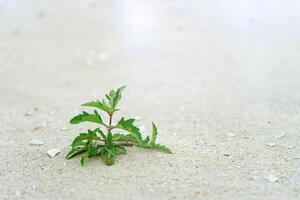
column 110, row 121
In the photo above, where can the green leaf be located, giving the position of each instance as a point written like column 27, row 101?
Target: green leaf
column 154, row 134
column 102, row 134
column 114, row 97
column 94, row 151
column 84, row 158
column 121, row 149
column 162, row 148
column 75, row 152
column 125, row 138
column 108, row 158
column 128, row 125
column 98, row 104
column 146, row 141
column 109, row 141
column 86, row 117
column 84, row 138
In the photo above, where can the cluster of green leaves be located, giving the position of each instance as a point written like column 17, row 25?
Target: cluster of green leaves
column 106, row 141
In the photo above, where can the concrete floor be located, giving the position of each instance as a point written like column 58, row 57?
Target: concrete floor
column 200, row 69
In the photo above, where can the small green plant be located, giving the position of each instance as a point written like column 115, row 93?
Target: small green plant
column 107, row 140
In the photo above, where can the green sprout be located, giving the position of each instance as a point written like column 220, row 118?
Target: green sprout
column 108, row 139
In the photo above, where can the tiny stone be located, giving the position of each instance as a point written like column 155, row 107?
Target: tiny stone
column 53, row 152
column 256, row 177
column 226, row 154
column 28, row 114
column 281, row 136
column 33, row 187
column 64, row 129
column 36, row 142
column 271, row 142
column 230, row 134
column 272, row 178
column 37, row 128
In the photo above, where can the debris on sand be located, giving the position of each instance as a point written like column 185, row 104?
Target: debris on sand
column 230, row 134
column 64, row 129
column 36, row 142
column 281, row 136
column 53, row 152
column 27, row 114
column 271, row 142
column 271, row 178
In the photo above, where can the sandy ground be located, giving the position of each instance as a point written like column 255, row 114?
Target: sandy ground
column 200, row 69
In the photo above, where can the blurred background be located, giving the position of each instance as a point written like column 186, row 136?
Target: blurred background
column 198, row 68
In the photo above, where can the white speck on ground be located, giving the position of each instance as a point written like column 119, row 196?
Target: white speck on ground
column 272, row 178
column 234, row 65
column 271, row 142
column 53, row 152
column 36, row 142
column 231, row 134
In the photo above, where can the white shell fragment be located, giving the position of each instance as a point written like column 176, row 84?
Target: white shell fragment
column 53, row 152
column 281, row 136
column 256, row 178
column 64, row 129
column 271, row 142
column 230, row 134
column 272, row 178
column 36, row 142
column 28, row 114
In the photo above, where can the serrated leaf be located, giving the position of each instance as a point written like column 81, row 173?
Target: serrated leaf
column 98, row 104
column 162, row 148
column 121, row 149
column 154, row 134
column 146, row 141
column 107, row 158
column 128, row 125
column 84, row 138
column 102, row 134
column 114, row 97
column 125, row 138
column 109, row 141
column 75, row 152
column 83, row 159
column 86, row 117
column 94, row 151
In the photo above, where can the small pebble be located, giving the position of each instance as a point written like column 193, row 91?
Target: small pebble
column 27, row 114
column 230, row 134
column 53, row 152
column 256, row 177
column 64, row 129
column 281, row 136
column 271, row 142
column 36, row 142
column 272, row 178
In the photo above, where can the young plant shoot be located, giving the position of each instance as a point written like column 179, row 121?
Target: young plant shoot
column 109, row 139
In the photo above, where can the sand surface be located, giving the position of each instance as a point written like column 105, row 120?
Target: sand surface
column 219, row 77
